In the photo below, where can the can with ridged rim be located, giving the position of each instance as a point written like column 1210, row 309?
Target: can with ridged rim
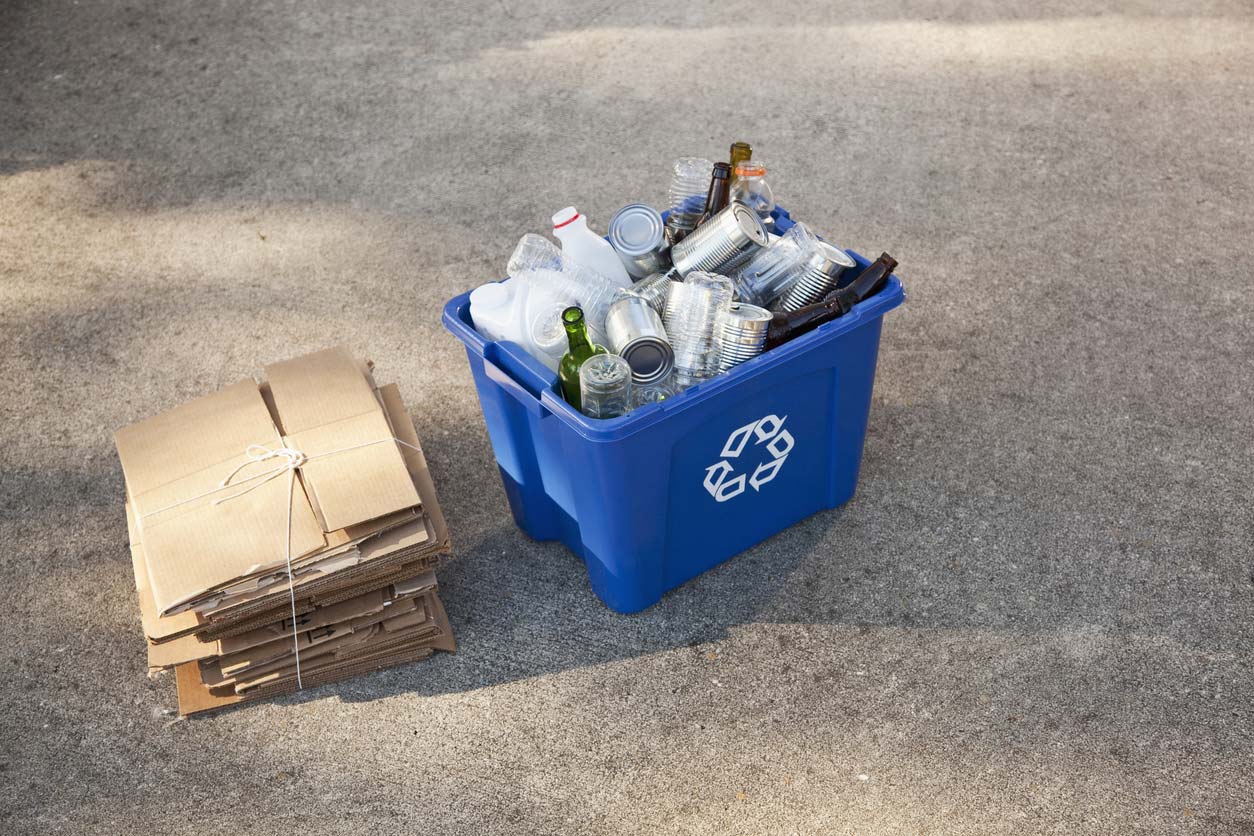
column 724, row 242
column 742, row 333
column 818, row 276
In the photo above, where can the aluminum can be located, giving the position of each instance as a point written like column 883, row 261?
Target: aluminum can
column 638, row 235
column 722, row 243
column 636, row 334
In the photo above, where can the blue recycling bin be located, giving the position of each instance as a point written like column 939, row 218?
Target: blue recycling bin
column 654, row 498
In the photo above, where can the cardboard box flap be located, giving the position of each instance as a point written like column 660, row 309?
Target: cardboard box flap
column 193, row 437
column 220, row 542
column 195, row 535
column 326, row 403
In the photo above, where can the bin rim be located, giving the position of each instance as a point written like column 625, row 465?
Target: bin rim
column 643, row 418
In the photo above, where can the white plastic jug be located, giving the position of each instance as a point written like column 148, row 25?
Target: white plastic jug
column 587, row 249
column 492, row 310
column 525, row 311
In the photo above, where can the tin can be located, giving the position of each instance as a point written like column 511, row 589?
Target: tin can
column 818, row 276
column 636, row 334
column 722, row 243
column 654, row 290
column 742, row 333
column 638, row 235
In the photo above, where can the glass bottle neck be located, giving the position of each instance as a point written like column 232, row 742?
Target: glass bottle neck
column 577, row 335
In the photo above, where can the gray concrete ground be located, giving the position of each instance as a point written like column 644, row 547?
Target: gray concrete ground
column 1034, row 617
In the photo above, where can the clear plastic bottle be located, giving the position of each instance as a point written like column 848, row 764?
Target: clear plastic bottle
column 690, row 183
column 693, row 312
column 749, row 186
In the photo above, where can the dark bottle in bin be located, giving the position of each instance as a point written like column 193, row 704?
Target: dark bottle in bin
column 720, row 192
column 791, row 324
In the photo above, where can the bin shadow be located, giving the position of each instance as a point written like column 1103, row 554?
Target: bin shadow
column 522, row 609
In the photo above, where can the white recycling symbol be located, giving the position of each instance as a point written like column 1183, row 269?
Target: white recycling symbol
column 768, row 430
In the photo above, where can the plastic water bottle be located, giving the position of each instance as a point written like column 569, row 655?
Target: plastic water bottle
column 587, row 249
column 690, row 182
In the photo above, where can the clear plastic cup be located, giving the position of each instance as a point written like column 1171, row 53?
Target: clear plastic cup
column 694, row 308
column 690, row 183
column 605, row 389
column 643, row 394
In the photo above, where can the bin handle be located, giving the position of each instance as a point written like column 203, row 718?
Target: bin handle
column 520, row 374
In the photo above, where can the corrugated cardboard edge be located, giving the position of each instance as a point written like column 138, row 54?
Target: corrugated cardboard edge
column 194, row 697
column 415, row 460
column 190, row 648
column 384, row 575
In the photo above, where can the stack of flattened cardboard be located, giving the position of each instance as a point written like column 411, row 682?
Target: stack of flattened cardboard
column 283, row 534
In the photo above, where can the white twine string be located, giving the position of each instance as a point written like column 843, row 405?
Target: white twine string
column 293, row 459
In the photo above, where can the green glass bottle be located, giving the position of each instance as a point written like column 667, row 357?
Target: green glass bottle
column 580, row 349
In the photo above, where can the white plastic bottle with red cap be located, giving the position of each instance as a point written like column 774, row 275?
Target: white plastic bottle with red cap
column 587, row 249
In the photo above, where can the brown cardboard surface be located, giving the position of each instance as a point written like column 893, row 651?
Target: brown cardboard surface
column 326, row 404
column 310, row 598
column 194, row 697
column 378, row 643
column 415, row 460
column 316, row 641
column 155, row 628
column 199, row 536
column 429, row 528
column 187, row 452
column 211, row 562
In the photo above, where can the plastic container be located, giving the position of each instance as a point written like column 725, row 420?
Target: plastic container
column 587, row 249
column 656, row 497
